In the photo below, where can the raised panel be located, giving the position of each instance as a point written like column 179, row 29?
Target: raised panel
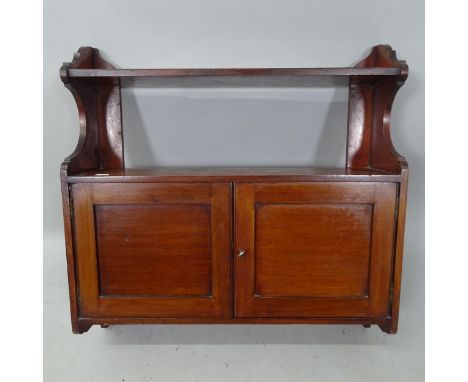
column 160, row 250
column 319, row 250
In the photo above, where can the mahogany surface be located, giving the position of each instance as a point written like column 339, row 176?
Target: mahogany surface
column 236, row 72
column 153, row 250
column 235, row 77
column 232, row 174
column 136, row 251
column 314, row 249
column 234, row 245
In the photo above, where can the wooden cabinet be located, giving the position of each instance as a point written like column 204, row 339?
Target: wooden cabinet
column 234, row 245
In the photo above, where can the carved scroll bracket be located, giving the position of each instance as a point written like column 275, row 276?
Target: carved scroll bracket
column 100, row 143
column 370, row 103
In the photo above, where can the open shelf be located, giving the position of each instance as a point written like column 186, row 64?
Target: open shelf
column 232, row 77
column 234, row 72
column 373, row 82
column 232, row 174
column 88, row 65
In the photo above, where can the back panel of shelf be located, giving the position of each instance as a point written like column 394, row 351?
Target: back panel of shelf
column 235, row 126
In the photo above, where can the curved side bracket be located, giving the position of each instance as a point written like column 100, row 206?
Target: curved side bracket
column 100, row 143
column 370, row 103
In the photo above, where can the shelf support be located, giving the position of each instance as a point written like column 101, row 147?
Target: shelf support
column 370, row 102
column 100, row 143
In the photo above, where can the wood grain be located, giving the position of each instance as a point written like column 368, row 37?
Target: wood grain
column 233, row 174
column 145, row 257
column 233, row 72
column 162, row 245
column 234, row 77
column 399, row 243
column 70, row 253
column 153, row 250
column 313, row 249
column 369, row 142
column 100, row 143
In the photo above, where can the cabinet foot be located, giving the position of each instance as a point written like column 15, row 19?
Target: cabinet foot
column 386, row 327
column 81, row 327
column 367, row 326
column 104, row 326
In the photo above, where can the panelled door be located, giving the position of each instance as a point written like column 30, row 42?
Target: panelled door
column 313, row 249
column 153, row 249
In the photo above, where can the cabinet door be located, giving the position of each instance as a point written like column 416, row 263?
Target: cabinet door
column 313, row 249
column 153, row 250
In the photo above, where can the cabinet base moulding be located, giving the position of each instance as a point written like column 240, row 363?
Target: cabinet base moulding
column 84, row 324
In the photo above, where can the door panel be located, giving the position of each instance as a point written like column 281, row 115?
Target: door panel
column 153, row 250
column 313, row 249
column 312, row 243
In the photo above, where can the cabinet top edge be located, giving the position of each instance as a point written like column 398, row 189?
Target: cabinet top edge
column 232, row 174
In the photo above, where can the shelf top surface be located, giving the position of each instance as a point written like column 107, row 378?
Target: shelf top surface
column 235, row 72
column 293, row 77
column 232, row 174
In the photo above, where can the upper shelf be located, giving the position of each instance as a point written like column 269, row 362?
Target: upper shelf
column 252, row 77
column 373, row 83
column 88, row 65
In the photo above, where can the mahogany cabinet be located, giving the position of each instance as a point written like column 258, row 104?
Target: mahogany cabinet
column 234, row 245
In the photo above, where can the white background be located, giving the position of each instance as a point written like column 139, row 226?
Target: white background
column 233, row 34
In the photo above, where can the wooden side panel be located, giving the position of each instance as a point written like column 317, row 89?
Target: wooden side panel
column 153, row 250
column 383, row 249
column 70, row 253
column 359, row 126
column 398, row 264
column 109, row 113
column 314, row 249
column 370, row 104
column 100, row 144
